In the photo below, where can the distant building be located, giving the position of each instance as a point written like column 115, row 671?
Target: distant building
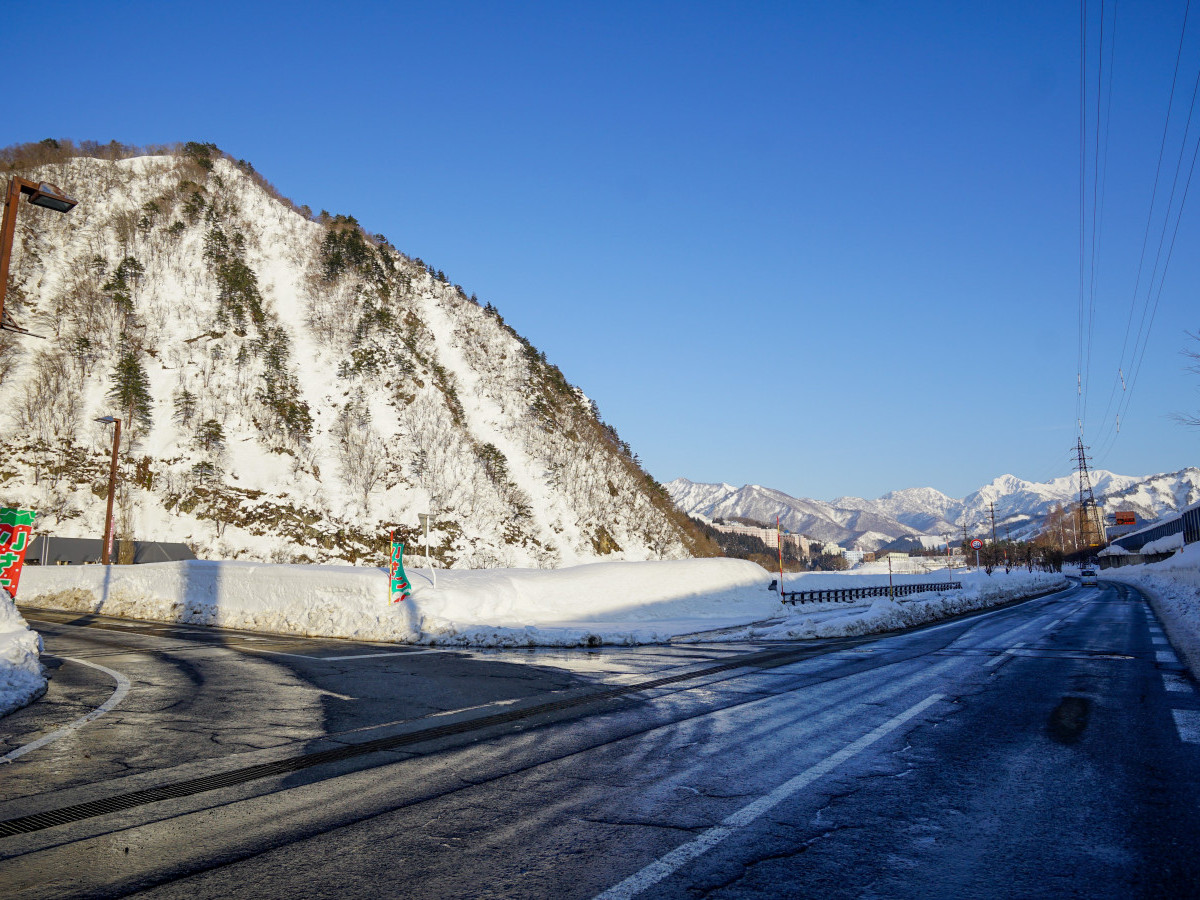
column 768, row 536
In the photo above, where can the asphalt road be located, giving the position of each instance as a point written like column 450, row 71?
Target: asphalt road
column 1051, row 748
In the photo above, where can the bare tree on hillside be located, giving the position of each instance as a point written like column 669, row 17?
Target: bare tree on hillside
column 363, row 455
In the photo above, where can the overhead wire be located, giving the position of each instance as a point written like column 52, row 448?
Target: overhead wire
column 1119, row 379
column 1096, row 216
column 1111, row 429
column 1083, row 55
column 1161, row 282
column 1128, row 372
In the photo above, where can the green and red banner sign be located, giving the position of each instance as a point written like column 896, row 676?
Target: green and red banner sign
column 400, row 589
column 15, row 528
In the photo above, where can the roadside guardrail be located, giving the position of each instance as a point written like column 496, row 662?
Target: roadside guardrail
column 845, row 595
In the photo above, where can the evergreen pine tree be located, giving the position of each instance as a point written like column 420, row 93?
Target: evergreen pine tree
column 211, row 435
column 131, row 389
column 185, row 406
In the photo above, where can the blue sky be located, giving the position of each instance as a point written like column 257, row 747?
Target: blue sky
column 830, row 248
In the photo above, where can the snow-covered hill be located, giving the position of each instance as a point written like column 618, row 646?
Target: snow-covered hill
column 1020, row 506
column 291, row 387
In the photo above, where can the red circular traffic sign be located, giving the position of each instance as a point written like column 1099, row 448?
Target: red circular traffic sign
column 977, row 544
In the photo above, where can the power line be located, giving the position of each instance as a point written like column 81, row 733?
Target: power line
column 1162, row 147
column 1127, row 369
column 1158, row 295
column 1091, row 315
column 1082, row 209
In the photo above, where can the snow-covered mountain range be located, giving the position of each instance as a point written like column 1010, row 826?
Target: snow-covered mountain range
column 291, row 387
column 869, row 524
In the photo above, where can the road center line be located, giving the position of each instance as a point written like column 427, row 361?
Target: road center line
column 996, row 660
column 339, row 658
column 117, row 696
column 668, row 864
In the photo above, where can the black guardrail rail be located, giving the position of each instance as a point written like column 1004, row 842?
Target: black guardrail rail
column 845, row 595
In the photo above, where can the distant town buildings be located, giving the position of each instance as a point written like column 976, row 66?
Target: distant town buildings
column 770, row 537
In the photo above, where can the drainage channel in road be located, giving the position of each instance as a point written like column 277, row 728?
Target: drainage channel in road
column 80, row 811
column 209, row 636
column 763, row 659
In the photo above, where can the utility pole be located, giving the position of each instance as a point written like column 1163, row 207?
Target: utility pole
column 1093, row 532
column 106, row 549
column 993, row 509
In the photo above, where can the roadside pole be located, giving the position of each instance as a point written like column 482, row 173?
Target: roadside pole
column 424, row 517
column 891, row 589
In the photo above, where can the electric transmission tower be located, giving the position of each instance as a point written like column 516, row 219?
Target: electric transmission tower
column 1091, row 531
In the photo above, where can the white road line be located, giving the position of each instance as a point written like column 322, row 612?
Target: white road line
column 337, row 658
column 117, row 696
column 373, row 655
column 666, row 865
column 1166, row 656
column 1013, row 632
column 1176, row 684
column 1187, row 723
column 996, row 660
column 979, row 619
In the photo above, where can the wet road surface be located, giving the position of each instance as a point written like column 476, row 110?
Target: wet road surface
column 1051, row 748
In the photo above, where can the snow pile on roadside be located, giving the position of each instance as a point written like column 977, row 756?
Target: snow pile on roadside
column 979, row 591
column 331, row 601
column 1173, row 587
column 21, row 677
column 609, row 603
column 617, row 602
column 600, row 603
column 1164, row 545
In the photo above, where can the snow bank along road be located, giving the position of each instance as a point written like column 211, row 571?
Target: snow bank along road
column 1045, row 749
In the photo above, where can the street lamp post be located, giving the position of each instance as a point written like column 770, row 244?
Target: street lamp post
column 106, row 552
column 40, row 194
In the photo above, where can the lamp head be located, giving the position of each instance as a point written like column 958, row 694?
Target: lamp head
column 50, row 196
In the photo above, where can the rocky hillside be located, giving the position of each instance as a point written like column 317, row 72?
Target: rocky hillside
column 290, row 386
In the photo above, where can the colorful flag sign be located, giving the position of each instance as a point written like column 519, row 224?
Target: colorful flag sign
column 400, row 588
column 15, row 527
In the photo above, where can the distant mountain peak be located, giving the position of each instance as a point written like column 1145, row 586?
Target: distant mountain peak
column 1020, row 506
